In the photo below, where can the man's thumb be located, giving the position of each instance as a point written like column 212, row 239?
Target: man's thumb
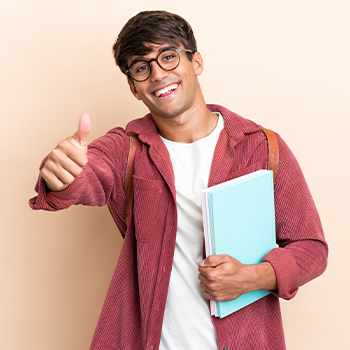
column 211, row 261
column 84, row 129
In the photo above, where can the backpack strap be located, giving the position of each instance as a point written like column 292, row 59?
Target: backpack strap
column 129, row 172
column 272, row 164
column 273, row 152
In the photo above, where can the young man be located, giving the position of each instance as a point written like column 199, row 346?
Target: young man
column 159, row 291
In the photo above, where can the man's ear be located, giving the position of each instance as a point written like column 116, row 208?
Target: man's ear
column 133, row 89
column 197, row 61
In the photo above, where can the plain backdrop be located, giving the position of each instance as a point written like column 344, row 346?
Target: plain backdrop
column 283, row 64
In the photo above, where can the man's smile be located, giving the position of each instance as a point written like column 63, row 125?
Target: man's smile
column 165, row 91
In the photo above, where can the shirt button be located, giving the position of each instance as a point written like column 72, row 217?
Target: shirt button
column 226, row 347
column 164, row 268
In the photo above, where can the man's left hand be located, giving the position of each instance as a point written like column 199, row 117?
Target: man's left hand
column 224, row 278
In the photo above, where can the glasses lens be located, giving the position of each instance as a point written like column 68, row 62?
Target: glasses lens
column 140, row 70
column 169, row 59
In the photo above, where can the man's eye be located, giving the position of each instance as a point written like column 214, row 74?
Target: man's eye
column 168, row 57
column 141, row 69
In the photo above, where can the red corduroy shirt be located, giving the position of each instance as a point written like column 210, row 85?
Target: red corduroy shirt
column 132, row 315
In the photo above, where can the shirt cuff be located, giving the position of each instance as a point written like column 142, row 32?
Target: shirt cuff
column 286, row 271
column 57, row 200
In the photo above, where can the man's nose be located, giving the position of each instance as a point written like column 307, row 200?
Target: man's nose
column 157, row 73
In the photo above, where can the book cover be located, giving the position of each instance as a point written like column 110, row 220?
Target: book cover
column 239, row 220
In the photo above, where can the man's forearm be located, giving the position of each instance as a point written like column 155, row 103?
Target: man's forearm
column 262, row 276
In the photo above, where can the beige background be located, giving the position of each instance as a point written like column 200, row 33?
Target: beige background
column 288, row 70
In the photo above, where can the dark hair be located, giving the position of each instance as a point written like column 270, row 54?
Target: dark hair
column 152, row 27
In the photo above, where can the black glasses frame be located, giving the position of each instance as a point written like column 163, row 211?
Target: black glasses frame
column 128, row 72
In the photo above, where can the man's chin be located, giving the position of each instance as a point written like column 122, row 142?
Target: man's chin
column 167, row 111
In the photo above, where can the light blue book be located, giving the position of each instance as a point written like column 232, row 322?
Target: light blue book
column 239, row 220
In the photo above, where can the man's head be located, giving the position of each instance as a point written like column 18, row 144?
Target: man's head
column 159, row 51
column 152, row 27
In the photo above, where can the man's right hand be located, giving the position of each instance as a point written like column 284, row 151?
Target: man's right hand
column 67, row 160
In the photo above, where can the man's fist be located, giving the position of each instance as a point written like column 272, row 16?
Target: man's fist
column 67, row 160
column 224, row 278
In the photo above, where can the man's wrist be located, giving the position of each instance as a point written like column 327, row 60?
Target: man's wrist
column 262, row 276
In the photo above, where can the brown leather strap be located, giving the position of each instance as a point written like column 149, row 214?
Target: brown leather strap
column 272, row 164
column 273, row 152
column 129, row 172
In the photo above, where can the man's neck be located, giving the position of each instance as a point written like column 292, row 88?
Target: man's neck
column 194, row 124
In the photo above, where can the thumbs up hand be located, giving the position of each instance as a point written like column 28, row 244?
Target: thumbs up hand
column 67, row 160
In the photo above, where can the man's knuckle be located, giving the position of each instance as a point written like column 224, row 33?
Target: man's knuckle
column 54, row 154
column 62, row 144
column 212, row 275
column 209, row 276
column 211, row 286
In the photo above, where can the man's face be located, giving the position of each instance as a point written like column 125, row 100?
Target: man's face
column 168, row 94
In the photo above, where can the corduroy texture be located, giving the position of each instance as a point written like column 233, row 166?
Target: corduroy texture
column 132, row 314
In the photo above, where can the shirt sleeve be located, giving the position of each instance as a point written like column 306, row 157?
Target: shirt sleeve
column 302, row 250
column 101, row 180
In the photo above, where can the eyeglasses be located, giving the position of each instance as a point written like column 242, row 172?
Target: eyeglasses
column 169, row 59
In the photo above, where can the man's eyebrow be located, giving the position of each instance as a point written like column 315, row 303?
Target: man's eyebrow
column 137, row 59
column 164, row 48
column 142, row 58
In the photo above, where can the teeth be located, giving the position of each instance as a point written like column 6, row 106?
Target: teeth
column 159, row 93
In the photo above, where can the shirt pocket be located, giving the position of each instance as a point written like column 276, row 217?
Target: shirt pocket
column 149, row 208
column 249, row 169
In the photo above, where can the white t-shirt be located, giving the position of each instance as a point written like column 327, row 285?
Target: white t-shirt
column 187, row 322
